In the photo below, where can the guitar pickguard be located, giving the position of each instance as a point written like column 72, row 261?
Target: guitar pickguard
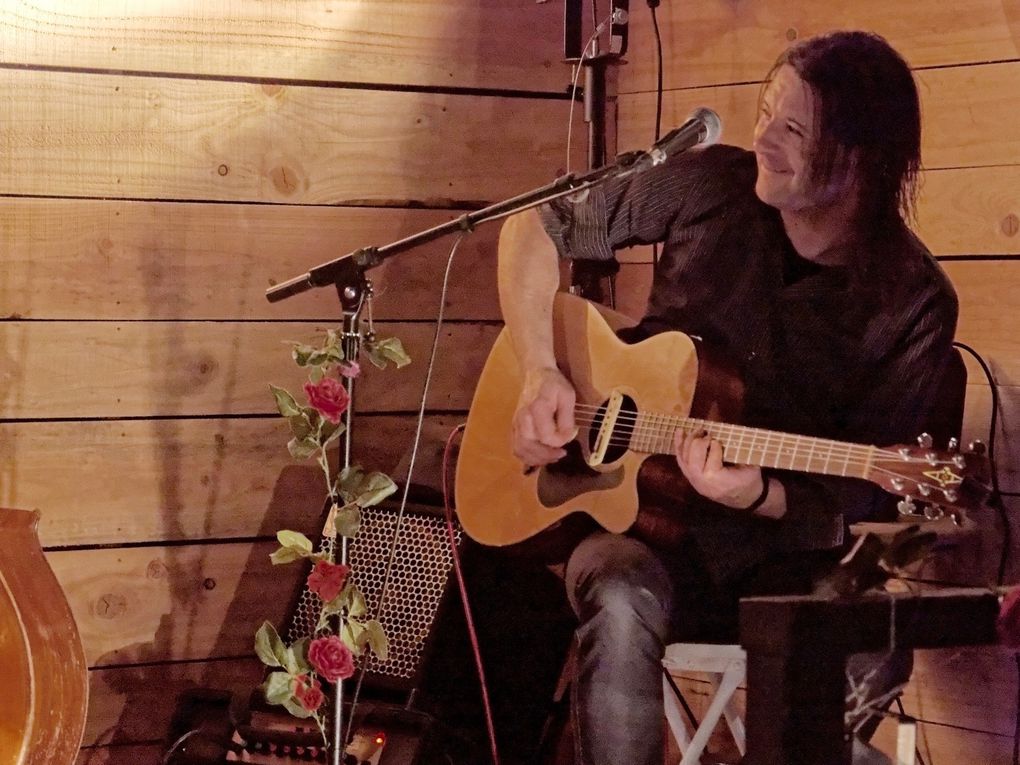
column 571, row 477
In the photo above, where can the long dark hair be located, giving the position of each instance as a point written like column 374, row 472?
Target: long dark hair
column 867, row 105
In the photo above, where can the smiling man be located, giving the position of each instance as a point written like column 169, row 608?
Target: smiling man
column 794, row 259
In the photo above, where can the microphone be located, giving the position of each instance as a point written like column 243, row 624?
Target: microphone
column 703, row 127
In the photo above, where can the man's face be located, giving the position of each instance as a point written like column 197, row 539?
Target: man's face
column 784, row 139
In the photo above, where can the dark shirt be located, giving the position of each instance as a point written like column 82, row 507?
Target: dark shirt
column 820, row 354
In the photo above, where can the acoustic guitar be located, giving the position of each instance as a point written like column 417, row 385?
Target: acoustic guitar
column 630, row 401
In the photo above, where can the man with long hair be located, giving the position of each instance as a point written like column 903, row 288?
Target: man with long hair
column 797, row 261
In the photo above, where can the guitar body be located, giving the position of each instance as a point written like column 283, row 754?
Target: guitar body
column 501, row 503
column 45, row 694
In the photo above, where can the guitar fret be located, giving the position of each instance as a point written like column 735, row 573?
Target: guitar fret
column 811, row 454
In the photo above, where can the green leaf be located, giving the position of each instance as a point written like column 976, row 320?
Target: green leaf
column 333, row 607
column 294, row 707
column 278, row 687
column 302, row 353
column 349, row 480
column 357, row 607
column 375, row 488
column 389, row 349
column 299, row 652
column 377, row 639
column 303, row 449
column 290, row 662
column 354, row 636
column 285, row 555
column 315, row 375
column 285, row 402
column 348, row 521
column 300, row 426
column 294, row 539
column 269, row 646
column 331, row 432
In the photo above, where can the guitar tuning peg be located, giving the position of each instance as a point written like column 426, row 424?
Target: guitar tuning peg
column 957, row 518
column 925, row 441
column 954, row 444
column 906, row 506
column 898, row 484
column 959, row 461
column 951, row 495
column 977, row 447
column 933, row 512
column 924, row 489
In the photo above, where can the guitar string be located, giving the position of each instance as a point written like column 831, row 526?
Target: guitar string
column 749, row 438
column 847, row 463
column 645, row 426
column 847, row 455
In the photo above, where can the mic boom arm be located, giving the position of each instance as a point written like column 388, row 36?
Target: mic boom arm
column 703, row 127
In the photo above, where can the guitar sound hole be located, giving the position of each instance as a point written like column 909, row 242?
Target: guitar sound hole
column 622, row 431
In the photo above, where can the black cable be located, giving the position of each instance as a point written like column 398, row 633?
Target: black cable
column 652, row 5
column 996, row 498
column 680, row 698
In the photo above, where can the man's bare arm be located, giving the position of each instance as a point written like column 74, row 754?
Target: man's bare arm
column 528, row 280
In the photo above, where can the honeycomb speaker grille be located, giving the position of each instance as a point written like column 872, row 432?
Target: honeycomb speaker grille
column 421, row 568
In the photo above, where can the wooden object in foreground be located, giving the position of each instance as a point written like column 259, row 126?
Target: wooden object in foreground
column 797, row 647
column 45, row 691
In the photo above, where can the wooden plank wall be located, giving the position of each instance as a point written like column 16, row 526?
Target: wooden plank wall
column 966, row 56
column 161, row 165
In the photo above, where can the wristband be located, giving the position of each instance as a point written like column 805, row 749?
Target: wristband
column 765, row 481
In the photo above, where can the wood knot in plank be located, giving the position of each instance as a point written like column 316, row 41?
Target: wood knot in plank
column 110, row 606
column 1011, row 225
column 286, row 180
column 156, row 569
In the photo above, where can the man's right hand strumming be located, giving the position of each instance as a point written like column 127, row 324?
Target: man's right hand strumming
column 544, row 420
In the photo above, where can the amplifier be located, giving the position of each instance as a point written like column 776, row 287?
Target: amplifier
column 420, row 572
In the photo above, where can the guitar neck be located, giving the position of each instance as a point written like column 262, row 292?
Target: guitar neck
column 653, row 434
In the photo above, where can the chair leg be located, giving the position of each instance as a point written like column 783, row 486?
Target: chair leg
column 727, row 687
column 732, row 714
column 674, row 715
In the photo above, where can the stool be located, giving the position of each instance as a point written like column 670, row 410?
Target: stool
column 726, row 666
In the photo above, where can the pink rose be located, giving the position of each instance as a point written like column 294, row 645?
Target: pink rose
column 328, row 397
column 350, row 369
column 331, row 658
column 308, row 692
column 327, row 579
column 1007, row 626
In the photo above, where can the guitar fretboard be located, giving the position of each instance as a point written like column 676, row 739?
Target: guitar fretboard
column 653, row 434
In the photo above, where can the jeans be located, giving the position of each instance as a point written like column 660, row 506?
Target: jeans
column 630, row 601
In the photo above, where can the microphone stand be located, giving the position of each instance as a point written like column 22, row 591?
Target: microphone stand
column 347, row 275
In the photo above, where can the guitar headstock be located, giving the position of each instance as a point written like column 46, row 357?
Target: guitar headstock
column 943, row 480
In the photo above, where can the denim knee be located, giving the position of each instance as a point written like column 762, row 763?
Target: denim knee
column 619, row 581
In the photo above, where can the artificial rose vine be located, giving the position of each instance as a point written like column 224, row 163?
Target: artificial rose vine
column 343, row 631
